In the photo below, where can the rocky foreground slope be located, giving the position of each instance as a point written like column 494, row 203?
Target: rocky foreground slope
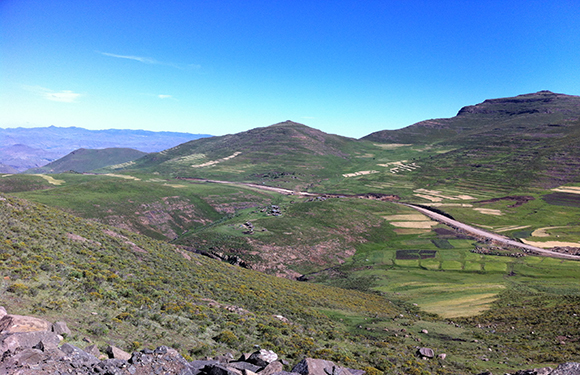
column 30, row 345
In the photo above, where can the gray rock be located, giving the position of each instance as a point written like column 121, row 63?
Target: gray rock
column 272, row 368
column 20, row 324
column 569, row 368
column 93, row 350
column 222, row 370
column 28, row 340
column 426, row 352
column 28, row 357
column 196, row 367
column 263, row 357
column 78, row 355
column 116, row 353
column 310, row 366
column 2, row 312
column 60, row 328
column 244, row 366
column 442, row 356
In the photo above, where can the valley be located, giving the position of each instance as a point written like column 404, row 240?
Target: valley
column 467, row 228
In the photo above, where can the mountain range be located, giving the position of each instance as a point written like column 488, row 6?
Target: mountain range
column 24, row 148
column 181, row 247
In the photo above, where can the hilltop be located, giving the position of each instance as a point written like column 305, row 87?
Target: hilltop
column 84, row 160
column 530, row 140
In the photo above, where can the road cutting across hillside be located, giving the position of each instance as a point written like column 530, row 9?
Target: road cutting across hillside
column 476, row 232
column 489, row 235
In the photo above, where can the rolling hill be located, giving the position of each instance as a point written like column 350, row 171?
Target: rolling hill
column 84, row 160
column 528, row 140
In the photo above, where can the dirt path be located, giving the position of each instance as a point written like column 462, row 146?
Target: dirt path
column 488, row 235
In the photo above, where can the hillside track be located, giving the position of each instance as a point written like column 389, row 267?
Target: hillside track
column 489, row 235
column 476, row 232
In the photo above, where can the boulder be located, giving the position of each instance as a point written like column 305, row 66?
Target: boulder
column 263, row 357
column 442, row 356
column 310, row 366
column 426, row 352
column 60, row 328
column 245, row 366
column 2, row 312
column 78, row 355
column 28, row 340
column 272, row 368
column 222, row 370
column 116, row 353
column 20, row 324
column 93, row 350
column 568, row 368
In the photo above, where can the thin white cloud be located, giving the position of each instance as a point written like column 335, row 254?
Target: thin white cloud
column 64, row 96
column 152, row 61
column 165, row 96
column 145, row 60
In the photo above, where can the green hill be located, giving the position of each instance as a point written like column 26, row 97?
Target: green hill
column 84, row 160
column 530, row 140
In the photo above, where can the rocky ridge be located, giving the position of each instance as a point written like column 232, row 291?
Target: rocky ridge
column 30, row 345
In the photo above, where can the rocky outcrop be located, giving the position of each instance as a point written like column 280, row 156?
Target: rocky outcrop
column 30, row 346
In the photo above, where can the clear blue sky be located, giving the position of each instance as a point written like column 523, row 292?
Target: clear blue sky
column 218, row 67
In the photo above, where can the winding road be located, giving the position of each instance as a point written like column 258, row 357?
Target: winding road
column 505, row 241
column 489, row 235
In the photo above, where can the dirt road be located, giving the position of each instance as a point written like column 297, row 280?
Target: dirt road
column 433, row 215
column 488, row 235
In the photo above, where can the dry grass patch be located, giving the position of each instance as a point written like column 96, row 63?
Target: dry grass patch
column 541, row 232
column 549, row 244
column 429, row 197
column 51, row 180
column 126, row 177
column 360, row 173
column 414, row 224
column 390, row 146
column 568, row 189
column 488, row 211
column 410, row 231
column 511, row 227
column 408, row 217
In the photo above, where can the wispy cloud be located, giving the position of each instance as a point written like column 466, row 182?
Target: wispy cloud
column 165, row 96
column 145, row 60
column 151, row 61
column 64, row 96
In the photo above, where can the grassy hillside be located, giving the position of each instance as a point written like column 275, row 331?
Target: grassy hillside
column 528, row 140
column 84, row 160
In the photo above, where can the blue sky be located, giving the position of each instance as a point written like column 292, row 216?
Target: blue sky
column 219, row 67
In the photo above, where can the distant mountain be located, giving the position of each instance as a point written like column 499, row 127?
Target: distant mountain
column 84, row 160
column 531, row 139
column 25, row 148
column 287, row 150
column 541, row 115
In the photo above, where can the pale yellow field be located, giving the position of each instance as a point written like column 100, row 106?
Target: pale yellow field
column 408, row 217
column 414, row 224
column 541, row 232
column 122, row 176
column 411, row 231
column 568, row 189
column 429, row 197
column 214, row 162
column 488, row 211
column 451, row 205
column 51, row 179
column 511, row 227
column 360, row 173
column 549, row 244
column 390, row 146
